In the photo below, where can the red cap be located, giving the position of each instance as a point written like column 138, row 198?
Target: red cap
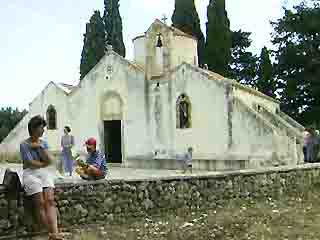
column 91, row 141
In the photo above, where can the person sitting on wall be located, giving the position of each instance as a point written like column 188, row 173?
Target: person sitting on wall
column 95, row 167
column 38, row 183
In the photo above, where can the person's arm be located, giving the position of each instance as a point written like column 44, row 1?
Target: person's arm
column 72, row 141
column 97, row 163
column 44, row 153
column 28, row 158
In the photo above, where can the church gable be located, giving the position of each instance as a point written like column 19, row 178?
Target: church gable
column 159, row 26
column 197, row 76
column 108, row 66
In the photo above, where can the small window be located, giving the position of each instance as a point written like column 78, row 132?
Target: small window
column 183, row 112
column 259, row 108
column 51, row 118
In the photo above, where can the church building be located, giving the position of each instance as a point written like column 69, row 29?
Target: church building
column 146, row 112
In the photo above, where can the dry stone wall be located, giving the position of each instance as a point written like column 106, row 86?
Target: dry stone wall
column 110, row 201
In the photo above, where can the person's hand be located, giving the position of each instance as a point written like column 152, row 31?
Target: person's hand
column 35, row 145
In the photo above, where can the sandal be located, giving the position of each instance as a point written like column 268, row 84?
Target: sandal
column 55, row 236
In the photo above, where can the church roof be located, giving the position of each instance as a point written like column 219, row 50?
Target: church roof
column 67, row 88
column 217, row 77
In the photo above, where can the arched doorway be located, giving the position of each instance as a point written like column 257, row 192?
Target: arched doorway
column 111, row 114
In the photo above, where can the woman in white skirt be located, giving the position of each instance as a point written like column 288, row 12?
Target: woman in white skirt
column 37, row 180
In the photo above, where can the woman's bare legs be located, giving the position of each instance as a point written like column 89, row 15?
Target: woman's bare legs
column 39, row 202
column 51, row 211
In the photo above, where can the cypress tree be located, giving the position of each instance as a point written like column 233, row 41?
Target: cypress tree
column 265, row 81
column 113, row 26
column 185, row 17
column 93, row 44
column 219, row 39
column 243, row 64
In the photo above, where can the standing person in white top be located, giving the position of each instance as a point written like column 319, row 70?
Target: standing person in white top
column 67, row 142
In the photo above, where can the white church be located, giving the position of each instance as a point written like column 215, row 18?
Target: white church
column 146, row 111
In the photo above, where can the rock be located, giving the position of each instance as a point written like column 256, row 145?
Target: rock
column 118, row 209
column 80, row 211
column 108, row 204
column 65, row 202
column 110, row 217
column 148, row 204
column 3, row 202
column 140, row 196
column 4, row 224
column 4, row 211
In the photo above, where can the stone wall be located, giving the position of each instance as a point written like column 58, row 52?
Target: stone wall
column 109, row 200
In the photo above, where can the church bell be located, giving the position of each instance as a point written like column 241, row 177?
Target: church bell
column 159, row 42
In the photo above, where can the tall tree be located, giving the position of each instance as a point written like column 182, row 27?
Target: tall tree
column 185, row 17
column 93, row 44
column 243, row 64
column 297, row 40
column 265, row 82
column 219, row 42
column 113, row 26
column 9, row 118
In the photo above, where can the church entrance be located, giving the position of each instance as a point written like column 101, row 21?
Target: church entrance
column 112, row 141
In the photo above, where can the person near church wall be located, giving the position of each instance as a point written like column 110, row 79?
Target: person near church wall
column 67, row 142
column 316, row 146
column 95, row 167
column 187, row 160
column 37, row 179
column 312, row 145
column 306, row 145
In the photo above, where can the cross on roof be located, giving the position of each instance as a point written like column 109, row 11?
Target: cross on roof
column 164, row 18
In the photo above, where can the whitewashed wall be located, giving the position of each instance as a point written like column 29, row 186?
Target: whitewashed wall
column 252, row 99
column 209, row 132
column 51, row 95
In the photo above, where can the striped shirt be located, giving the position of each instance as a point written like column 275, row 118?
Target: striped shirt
column 98, row 160
column 28, row 154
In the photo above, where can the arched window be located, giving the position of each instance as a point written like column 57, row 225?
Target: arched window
column 52, row 118
column 183, row 111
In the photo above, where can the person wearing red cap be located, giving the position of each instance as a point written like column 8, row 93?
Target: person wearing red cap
column 96, row 165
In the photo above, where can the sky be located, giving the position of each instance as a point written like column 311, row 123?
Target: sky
column 41, row 40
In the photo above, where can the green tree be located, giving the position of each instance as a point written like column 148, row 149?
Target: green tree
column 185, row 17
column 93, row 44
column 297, row 40
column 9, row 118
column 219, row 38
column 113, row 26
column 265, row 82
column 243, row 64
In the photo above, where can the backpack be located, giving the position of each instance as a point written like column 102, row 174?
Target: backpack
column 12, row 183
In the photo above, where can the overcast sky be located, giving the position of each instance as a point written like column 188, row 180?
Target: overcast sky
column 41, row 40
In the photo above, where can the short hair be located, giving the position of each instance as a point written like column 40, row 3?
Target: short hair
column 68, row 128
column 35, row 122
column 190, row 149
